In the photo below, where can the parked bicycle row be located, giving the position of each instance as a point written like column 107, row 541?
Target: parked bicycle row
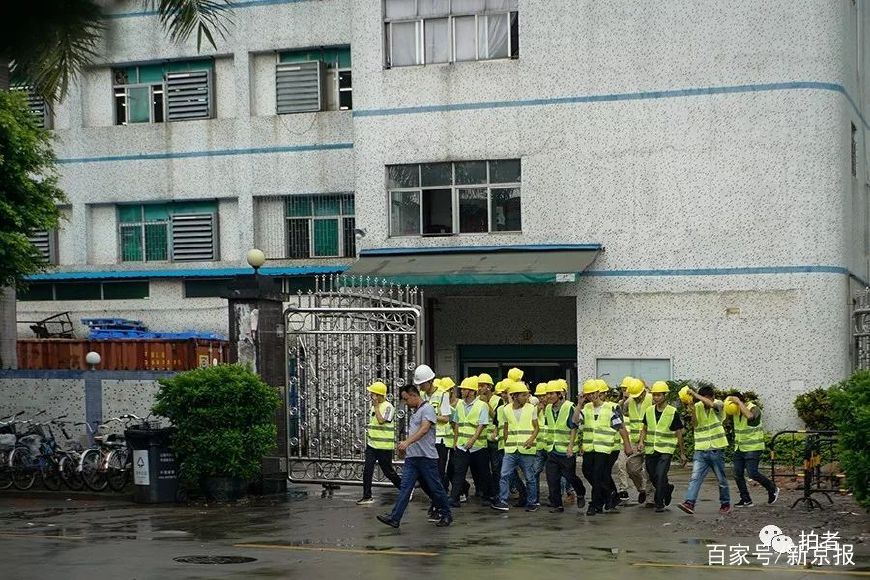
column 30, row 450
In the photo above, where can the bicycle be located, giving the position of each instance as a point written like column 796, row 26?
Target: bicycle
column 93, row 464
column 36, row 453
column 8, row 438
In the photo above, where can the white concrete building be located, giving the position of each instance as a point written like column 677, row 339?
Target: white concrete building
column 717, row 156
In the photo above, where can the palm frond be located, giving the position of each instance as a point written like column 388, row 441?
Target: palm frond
column 181, row 17
column 49, row 41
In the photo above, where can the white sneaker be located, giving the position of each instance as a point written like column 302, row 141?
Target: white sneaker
column 365, row 501
column 463, row 498
column 411, row 498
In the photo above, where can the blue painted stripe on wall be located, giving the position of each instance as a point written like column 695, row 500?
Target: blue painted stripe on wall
column 236, row 4
column 615, row 97
column 190, row 273
column 720, row 271
column 213, row 153
column 478, row 249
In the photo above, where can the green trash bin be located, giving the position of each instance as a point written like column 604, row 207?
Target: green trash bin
column 155, row 471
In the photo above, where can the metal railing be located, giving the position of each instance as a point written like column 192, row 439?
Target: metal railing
column 819, row 450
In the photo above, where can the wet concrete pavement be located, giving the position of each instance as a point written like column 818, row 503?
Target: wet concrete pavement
column 79, row 536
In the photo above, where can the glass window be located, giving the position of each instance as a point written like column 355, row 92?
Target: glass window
column 401, row 8
column 468, row 6
column 299, row 242
column 403, row 43
column 131, row 243
column 36, row 291
column 77, row 291
column 156, row 242
column 129, row 213
column 465, row 38
column 437, row 212
column 399, row 176
column 345, row 90
column 436, row 174
column 470, row 172
column 504, row 171
column 405, row 213
column 299, row 206
column 126, row 290
column 473, row 212
column 433, row 7
column 506, row 209
column 325, row 238
column 484, row 195
column 437, row 36
column 497, row 36
column 349, row 227
column 206, row 287
column 326, row 205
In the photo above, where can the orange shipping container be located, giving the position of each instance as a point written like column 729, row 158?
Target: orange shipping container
column 121, row 355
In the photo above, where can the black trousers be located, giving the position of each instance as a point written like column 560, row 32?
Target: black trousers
column 384, row 458
column 614, row 493
column 597, row 471
column 657, row 467
column 559, row 466
column 496, row 456
column 479, row 463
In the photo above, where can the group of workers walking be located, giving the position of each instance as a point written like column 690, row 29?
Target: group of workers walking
column 507, row 437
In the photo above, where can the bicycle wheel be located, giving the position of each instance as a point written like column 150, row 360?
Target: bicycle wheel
column 69, row 472
column 50, row 471
column 23, row 468
column 5, row 470
column 117, row 473
column 92, row 473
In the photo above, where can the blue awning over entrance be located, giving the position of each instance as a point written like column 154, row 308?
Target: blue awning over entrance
column 472, row 265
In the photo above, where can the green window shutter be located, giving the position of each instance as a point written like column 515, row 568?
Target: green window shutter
column 131, row 243
column 325, row 238
column 299, row 206
column 45, row 243
column 156, row 242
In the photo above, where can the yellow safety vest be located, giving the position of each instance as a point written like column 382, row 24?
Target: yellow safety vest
column 635, row 417
column 491, row 431
column 659, row 437
column 381, row 435
column 709, row 433
column 747, row 438
column 519, row 431
column 600, row 433
column 544, row 440
column 467, row 424
column 442, row 430
column 558, row 427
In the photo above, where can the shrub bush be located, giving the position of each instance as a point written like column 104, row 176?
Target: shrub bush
column 815, row 410
column 850, row 401
column 225, row 420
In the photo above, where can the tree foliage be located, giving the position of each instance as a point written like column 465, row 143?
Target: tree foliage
column 851, row 409
column 29, row 195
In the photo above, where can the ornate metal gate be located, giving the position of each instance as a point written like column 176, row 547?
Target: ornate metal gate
column 345, row 334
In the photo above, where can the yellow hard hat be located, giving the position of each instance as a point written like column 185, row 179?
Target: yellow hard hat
column 590, row 386
column 731, row 407
column 447, row 383
column 553, row 386
column 517, row 387
column 437, row 383
column 685, row 397
column 603, row 387
column 469, row 383
column 484, row 378
column 515, row 374
column 626, row 383
column 660, row 387
column 378, row 388
column 635, row 388
column 564, row 384
column 541, row 389
column 499, row 387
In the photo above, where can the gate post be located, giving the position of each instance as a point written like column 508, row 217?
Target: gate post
column 256, row 325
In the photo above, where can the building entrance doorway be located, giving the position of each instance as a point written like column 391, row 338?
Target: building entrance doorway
column 540, row 363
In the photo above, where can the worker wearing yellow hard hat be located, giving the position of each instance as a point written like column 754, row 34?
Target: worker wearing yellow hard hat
column 748, row 447
column 634, row 408
column 497, row 447
column 470, row 420
column 706, row 417
column 486, row 392
column 661, row 434
column 380, row 441
column 520, row 428
column 437, row 393
column 544, row 440
column 602, row 421
column 561, row 454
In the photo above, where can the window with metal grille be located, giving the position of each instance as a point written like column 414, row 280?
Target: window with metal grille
column 45, row 243
column 313, row 80
column 438, row 31
column 91, row 290
column 172, row 91
column 40, row 109
column 463, row 197
column 320, row 226
column 178, row 231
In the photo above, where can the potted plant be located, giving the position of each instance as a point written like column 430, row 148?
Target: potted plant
column 225, row 421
